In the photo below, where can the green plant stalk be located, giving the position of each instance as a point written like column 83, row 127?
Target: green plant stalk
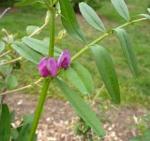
column 5, row 53
column 12, row 61
column 39, row 108
column 47, row 81
column 22, row 88
column 88, row 46
column 52, row 32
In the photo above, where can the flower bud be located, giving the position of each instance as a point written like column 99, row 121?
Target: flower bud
column 42, row 67
column 64, row 60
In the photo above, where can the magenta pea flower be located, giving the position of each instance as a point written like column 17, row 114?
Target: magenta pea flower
column 48, row 67
column 64, row 59
column 52, row 67
column 42, row 67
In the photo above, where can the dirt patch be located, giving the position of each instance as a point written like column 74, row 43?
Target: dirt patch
column 58, row 118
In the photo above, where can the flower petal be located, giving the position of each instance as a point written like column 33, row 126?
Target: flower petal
column 52, row 67
column 64, row 59
column 42, row 67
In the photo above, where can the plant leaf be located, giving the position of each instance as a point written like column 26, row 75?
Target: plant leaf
column 5, row 124
column 106, row 69
column 69, row 20
column 121, row 8
column 39, row 46
column 91, row 17
column 26, row 52
column 147, row 16
column 85, row 76
column 2, row 46
column 11, row 82
column 127, row 50
column 81, row 78
column 82, row 108
column 36, row 45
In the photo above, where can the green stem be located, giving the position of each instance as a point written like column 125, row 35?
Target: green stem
column 20, row 89
column 5, row 53
column 52, row 32
column 39, row 108
column 78, row 54
column 46, row 83
column 12, row 61
column 132, row 22
column 89, row 45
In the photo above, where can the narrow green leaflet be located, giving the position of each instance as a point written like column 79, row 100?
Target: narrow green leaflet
column 81, row 78
column 91, row 17
column 121, row 8
column 36, row 45
column 147, row 16
column 26, row 52
column 2, row 46
column 82, row 108
column 85, row 76
column 74, row 78
column 127, row 50
column 39, row 46
column 5, row 124
column 69, row 20
column 11, row 82
column 106, row 69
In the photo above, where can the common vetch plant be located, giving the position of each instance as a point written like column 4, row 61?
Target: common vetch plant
column 52, row 62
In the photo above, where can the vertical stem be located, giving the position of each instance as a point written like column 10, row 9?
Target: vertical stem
column 52, row 32
column 46, row 83
column 39, row 108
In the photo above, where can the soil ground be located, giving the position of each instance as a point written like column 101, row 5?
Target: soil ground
column 58, row 119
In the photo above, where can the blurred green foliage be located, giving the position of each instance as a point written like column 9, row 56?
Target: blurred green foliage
column 6, row 3
column 133, row 91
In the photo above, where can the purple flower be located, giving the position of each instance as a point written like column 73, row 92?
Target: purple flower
column 52, row 67
column 64, row 59
column 48, row 67
column 42, row 67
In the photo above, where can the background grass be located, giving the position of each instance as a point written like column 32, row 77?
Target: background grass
column 134, row 91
